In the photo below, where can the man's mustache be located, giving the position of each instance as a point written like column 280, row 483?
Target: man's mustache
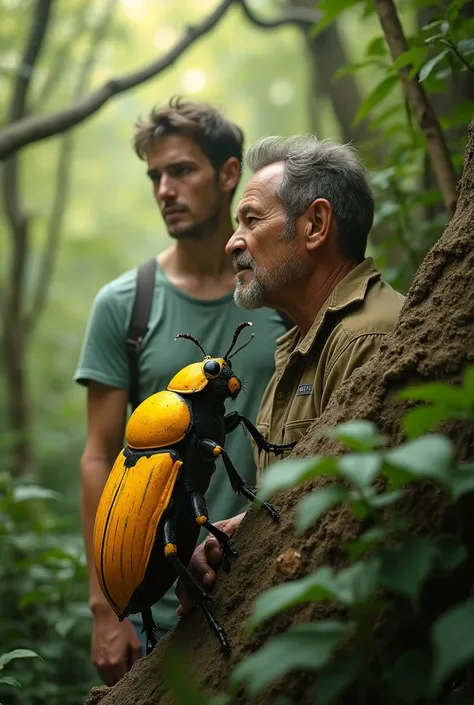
column 243, row 261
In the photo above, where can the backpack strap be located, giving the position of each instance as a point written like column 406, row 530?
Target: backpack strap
column 138, row 326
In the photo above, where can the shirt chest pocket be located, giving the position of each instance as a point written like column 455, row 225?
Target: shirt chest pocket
column 295, row 430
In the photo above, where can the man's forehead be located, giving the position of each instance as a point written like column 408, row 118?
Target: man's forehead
column 263, row 182
column 174, row 148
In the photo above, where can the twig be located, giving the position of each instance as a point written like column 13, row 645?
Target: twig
column 420, row 105
column 33, row 129
column 305, row 17
column 63, row 177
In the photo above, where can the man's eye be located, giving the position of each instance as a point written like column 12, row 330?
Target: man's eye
column 155, row 178
column 181, row 171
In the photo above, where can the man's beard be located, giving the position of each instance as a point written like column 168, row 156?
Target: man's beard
column 198, row 231
column 258, row 292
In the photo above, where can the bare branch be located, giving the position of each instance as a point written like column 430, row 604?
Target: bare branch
column 39, row 25
column 15, row 215
column 33, row 129
column 63, row 178
column 305, row 17
column 61, row 59
column 420, row 105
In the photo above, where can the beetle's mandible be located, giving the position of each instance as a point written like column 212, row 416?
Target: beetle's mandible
column 153, row 504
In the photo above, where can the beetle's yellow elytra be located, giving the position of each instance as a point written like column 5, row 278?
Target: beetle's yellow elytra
column 160, row 421
column 127, row 518
column 170, row 549
column 201, row 520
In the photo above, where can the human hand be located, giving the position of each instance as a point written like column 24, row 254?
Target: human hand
column 115, row 645
column 206, row 557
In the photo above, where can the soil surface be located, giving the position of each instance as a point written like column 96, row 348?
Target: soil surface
column 434, row 340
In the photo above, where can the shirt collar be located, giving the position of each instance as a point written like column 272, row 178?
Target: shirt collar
column 348, row 291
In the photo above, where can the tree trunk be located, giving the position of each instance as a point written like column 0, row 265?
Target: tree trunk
column 433, row 341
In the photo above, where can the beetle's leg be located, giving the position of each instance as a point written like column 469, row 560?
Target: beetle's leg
column 201, row 512
column 237, row 482
column 233, row 419
column 195, row 592
column 149, row 627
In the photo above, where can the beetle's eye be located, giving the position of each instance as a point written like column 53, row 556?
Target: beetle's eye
column 212, row 368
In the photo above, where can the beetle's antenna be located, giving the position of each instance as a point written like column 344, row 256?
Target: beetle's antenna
column 238, row 331
column 191, row 337
column 241, row 347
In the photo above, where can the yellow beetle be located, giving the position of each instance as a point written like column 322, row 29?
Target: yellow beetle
column 153, row 504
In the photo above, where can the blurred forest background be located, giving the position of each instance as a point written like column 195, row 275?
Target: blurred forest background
column 76, row 210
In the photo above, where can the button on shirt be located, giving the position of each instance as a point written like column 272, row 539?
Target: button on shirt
column 350, row 326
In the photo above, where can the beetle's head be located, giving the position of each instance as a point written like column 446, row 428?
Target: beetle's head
column 222, row 380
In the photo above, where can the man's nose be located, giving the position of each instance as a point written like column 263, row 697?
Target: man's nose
column 235, row 244
column 166, row 188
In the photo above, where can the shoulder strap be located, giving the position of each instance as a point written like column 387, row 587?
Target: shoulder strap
column 138, row 326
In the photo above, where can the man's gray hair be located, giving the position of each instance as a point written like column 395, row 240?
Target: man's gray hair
column 321, row 169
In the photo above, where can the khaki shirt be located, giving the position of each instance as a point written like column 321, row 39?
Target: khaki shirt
column 347, row 330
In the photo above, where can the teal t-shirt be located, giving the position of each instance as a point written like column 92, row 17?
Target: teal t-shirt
column 103, row 359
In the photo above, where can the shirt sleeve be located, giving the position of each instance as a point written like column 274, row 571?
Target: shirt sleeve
column 103, row 356
column 355, row 354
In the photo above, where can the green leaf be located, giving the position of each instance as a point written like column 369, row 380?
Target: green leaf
column 369, row 538
column 331, row 10
column 309, row 646
column 428, row 457
column 462, row 480
column 377, row 47
column 288, row 473
column 446, row 395
column 16, row 654
column 313, row 505
column 451, row 553
column 337, row 676
column 375, row 97
column 319, row 585
column 468, row 381
column 361, row 469
column 418, row 421
column 12, row 682
column 466, row 46
column 405, row 567
column 409, row 676
column 26, row 493
column 357, row 583
column 179, row 682
column 385, row 499
column 412, row 57
column 430, row 65
column 358, row 435
column 452, row 636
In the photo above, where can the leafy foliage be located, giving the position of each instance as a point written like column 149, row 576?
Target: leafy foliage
column 369, row 479
column 43, row 609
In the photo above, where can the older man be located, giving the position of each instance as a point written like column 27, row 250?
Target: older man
column 303, row 224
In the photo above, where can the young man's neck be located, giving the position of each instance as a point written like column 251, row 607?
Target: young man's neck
column 200, row 266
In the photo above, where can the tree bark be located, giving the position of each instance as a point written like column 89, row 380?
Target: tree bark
column 432, row 341
column 420, row 105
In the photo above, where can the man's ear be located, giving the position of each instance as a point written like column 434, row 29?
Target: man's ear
column 229, row 174
column 319, row 219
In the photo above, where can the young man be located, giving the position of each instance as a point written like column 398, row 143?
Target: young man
column 193, row 158
column 303, row 224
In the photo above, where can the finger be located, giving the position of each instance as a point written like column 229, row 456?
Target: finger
column 212, row 553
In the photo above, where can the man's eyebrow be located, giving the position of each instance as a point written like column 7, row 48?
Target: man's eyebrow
column 245, row 210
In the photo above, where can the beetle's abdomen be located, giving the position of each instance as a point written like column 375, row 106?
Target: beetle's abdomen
column 160, row 421
column 128, row 516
